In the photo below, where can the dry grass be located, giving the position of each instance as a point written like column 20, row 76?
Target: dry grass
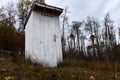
column 91, row 64
column 22, row 69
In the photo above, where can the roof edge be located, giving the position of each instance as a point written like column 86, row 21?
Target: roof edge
column 48, row 6
column 41, row 5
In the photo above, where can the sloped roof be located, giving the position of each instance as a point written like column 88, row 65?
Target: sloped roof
column 45, row 9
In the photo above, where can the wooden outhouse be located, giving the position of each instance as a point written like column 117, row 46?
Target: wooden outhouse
column 42, row 35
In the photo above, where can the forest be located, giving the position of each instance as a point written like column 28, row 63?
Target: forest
column 85, row 39
column 91, row 39
column 90, row 43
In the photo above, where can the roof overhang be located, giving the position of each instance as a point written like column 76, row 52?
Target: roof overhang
column 45, row 9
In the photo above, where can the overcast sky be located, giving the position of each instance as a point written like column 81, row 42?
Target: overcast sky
column 80, row 9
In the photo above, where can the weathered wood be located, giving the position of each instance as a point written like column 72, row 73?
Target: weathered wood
column 43, row 39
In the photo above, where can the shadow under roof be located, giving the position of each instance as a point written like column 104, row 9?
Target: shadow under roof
column 45, row 9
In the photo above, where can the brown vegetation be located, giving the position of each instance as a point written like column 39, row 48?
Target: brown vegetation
column 68, row 70
column 100, row 59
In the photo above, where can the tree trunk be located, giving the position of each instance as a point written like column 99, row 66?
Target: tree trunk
column 78, row 41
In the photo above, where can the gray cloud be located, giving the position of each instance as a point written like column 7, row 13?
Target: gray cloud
column 110, row 5
column 80, row 9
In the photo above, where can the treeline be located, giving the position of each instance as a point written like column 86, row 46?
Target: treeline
column 87, row 39
column 90, row 39
column 12, row 20
column 11, row 40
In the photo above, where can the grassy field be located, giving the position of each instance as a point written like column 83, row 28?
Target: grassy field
column 20, row 69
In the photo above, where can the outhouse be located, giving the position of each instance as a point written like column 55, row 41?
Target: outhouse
column 42, row 35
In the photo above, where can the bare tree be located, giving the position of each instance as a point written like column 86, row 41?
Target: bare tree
column 76, row 27
column 24, row 7
column 9, row 14
column 89, row 27
column 109, row 35
column 64, row 23
column 82, row 38
column 72, row 37
column 97, row 26
column 119, row 32
column 2, row 17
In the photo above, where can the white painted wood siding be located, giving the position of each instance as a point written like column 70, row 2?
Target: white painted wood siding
column 43, row 39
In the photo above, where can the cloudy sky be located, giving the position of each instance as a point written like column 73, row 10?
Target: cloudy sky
column 80, row 9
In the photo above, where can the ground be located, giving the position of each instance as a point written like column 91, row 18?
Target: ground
column 14, row 69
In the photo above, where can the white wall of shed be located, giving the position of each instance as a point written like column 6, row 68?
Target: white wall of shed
column 40, row 44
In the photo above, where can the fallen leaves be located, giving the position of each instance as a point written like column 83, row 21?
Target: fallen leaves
column 3, row 69
column 9, row 78
column 92, row 78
